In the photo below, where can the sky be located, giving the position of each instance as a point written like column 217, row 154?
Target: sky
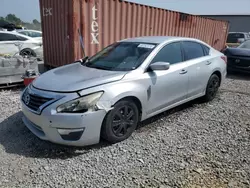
column 30, row 9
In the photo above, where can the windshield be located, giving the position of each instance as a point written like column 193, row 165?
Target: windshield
column 245, row 45
column 122, row 56
column 233, row 37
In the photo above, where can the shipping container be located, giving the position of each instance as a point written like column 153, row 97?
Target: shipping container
column 101, row 22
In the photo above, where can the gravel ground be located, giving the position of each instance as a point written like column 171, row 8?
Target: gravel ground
column 195, row 145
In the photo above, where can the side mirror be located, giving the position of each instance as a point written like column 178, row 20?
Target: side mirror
column 160, row 66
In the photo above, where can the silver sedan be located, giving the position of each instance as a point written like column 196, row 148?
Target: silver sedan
column 129, row 81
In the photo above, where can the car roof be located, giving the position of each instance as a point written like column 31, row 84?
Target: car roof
column 157, row 39
column 21, row 30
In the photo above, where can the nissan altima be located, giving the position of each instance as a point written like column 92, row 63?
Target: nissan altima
column 107, row 95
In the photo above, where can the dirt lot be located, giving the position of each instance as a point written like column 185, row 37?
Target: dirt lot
column 195, row 145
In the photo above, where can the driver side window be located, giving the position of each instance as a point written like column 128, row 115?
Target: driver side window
column 170, row 53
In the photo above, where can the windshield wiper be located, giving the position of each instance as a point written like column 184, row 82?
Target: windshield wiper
column 83, row 61
column 101, row 68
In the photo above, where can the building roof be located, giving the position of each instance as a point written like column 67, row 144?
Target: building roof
column 220, row 15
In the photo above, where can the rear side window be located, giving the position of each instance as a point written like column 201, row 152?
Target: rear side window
column 206, row 50
column 7, row 37
column 171, row 53
column 233, row 37
column 192, row 50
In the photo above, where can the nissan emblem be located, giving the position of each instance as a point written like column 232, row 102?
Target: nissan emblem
column 27, row 99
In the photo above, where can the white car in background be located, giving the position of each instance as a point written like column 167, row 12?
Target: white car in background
column 31, row 33
column 13, row 43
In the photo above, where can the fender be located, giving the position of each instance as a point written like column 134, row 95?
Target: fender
column 115, row 92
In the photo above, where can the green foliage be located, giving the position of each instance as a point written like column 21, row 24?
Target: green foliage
column 36, row 22
column 13, row 19
column 36, row 25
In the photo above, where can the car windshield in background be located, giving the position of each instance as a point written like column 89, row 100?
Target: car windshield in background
column 31, row 34
column 122, row 56
column 245, row 45
column 234, row 37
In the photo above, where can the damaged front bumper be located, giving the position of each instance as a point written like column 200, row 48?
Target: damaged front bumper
column 75, row 129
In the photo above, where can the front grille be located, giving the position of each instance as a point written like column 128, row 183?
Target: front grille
column 34, row 101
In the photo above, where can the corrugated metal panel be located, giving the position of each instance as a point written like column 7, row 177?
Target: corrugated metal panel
column 102, row 22
column 57, row 30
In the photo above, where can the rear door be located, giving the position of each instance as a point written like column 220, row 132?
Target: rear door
column 199, row 65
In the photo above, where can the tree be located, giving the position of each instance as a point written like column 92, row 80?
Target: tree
column 36, row 22
column 13, row 19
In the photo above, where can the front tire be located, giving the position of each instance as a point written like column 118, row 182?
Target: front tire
column 212, row 88
column 120, row 122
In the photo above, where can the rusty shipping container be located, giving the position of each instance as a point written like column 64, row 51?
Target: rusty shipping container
column 102, row 22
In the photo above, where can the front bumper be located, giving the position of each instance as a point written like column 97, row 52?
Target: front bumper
column 64, row 128
column 238, row 69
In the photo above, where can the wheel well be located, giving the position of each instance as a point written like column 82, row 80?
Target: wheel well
column 137, row 103
column 28, row 49
column 218, row 74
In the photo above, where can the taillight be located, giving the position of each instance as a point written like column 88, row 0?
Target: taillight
column 224, row 58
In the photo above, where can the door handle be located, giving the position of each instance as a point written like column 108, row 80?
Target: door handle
column 208, row 62
column 183, row 71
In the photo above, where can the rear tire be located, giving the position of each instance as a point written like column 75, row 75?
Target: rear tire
column 27, row 53
column 212, row 88
column 120, row 122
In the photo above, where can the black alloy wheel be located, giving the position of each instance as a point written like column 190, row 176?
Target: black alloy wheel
column 120, row 122
column 124, row 119
column 28, row 53
column 212, row 87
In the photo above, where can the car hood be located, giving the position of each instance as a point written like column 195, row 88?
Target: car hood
column 75, row 77
column 238, row 52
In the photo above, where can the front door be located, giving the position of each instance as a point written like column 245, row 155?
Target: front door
column 168, row 87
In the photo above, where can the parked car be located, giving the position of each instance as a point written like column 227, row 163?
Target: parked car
column 108, row 94
column 31, row 33
column 234, row 39
column 12, row 43
column 238, row 58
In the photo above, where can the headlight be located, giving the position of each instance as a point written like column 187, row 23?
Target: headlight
column 81, row 104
